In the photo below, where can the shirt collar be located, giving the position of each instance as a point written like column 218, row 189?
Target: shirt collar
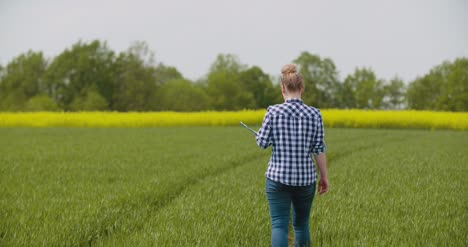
column 294, row 100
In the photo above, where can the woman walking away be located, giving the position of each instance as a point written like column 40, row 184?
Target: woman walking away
column 295, row 131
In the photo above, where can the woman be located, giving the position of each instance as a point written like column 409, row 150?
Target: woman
column 295, row 131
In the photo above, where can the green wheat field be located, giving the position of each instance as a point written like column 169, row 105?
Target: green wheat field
column 204, row 186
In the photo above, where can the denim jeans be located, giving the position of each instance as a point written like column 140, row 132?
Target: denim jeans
column 280, row 198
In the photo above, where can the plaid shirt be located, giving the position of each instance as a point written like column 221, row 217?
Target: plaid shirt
column 295, row 131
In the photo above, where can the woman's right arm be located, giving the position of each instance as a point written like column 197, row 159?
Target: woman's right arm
column 264, row 134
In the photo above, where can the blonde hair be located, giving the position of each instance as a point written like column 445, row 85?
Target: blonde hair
column 291, row 79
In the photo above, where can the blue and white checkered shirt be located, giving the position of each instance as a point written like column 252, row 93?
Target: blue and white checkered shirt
column 295, row 131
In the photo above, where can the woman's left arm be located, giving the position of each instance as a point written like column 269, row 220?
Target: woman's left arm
column 323, row 180
column 318, row 142
column 318, row 150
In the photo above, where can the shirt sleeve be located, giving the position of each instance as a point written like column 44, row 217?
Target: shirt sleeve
column 264, row 133
column 318, row 145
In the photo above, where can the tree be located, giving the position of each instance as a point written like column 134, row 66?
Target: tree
column 134, row 82
column 182, row 95
column 224, row 86
column 445, row 88
column 227, row 62
column 226, row 92
column 254, row 80
column 22, row 79
column 163, row 74
column 346, row 94
column 2, row 73
column 74, row 71
column 320, row 79
column 456, row 97
column 363, row 90
column 394, row 93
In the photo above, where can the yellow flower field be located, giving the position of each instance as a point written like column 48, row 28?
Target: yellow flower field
column 396, row 119
column 331, row 118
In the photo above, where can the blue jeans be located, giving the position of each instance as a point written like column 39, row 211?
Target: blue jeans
column 280, row 197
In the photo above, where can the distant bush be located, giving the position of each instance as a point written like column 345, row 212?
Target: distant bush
column 93, row 101
column 41, row 103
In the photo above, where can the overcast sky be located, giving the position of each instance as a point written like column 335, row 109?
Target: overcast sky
column 398, row 37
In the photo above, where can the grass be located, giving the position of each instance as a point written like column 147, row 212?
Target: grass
column 205, row 186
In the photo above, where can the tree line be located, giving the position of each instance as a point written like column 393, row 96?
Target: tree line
column 92, row 77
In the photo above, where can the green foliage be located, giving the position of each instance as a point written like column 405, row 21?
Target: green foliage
column 320, row 79
column 363, row 90
column 225, row 87
column 2, row 74
column 226, row 92
column 165, row 73
column 14, row 100
column 89, row 75
column 91, row 101
column 182, row 95
column 74, row 71
column 227, row 62
column 456, row 97
column 255, row 81
column 394, row 94
column 135, row 84
column 444, row 88
column 41, row 103
column 22, row 79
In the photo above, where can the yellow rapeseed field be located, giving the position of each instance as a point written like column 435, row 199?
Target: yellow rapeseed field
column 331, row 118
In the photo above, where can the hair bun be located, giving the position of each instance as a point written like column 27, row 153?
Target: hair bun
column 288, row 69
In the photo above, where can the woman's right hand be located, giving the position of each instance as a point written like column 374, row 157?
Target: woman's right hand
column 323, row 186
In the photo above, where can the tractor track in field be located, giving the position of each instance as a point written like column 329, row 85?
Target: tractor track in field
column 194, row 181
column 157, row 204
column 335, row 156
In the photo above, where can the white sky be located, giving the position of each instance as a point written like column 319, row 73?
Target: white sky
column 399, row 37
